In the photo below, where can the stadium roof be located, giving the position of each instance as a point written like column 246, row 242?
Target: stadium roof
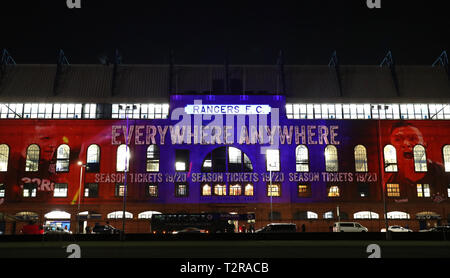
column 301, row 83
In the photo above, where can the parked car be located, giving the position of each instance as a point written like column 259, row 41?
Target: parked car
column 349, row 227
column 105, row 229
column 396, row 229
column 278, row 228
column 439, row 229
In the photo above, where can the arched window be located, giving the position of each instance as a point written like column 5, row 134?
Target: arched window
column 249, row 190
column 398, row 215
column 235, row 190
column 366, row 215
column 301, row 158
column 333, row 191
column 147, row 214
column 4, row 154
column 328, row 215
column 361, row 159
column 206, row 190
column 32, row 160
column 123, row 158
column 420, row 158
column 446, row 158
column 220, row 190
column 390, row 159
column 62, row 158
column 153, row 158
column 331, row 159
column 227, row 159
column 119, row 215
column 93, row 158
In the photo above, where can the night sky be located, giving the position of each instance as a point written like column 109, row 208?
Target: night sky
column 248, row 32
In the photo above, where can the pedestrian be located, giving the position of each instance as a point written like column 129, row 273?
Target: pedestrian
column 303, row 228
column 88, row 230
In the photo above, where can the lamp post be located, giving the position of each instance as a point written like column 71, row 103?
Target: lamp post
column 127, row 157
column 383, row 185
column 80, row 163
column 272, row 164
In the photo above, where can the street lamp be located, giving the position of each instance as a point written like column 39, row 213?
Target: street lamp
column 383, row 185
column 272, row 157
column 80, row 163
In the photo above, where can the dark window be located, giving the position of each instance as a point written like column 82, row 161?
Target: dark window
column 29, row 190
column 91, row 190
column 227, row 159
column 275, row 215
column 2, row 190
column 363, row 189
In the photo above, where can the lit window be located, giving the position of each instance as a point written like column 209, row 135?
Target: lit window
column 328, row 215
column 446, row 154
column 119, row 215
column 4, row 154
column 274, row 190
column 91, row 190
column 304, row 190
column 153, row 158
column 120, row 190
column 331, row 159
column 123, row 158
column 62, row 158
column 397, row 215
column 393, row 190
column 333, row 191
column 220, row 190
column 181, row 160
column 93, row 159
column 2, row 190
column 423, row 190
column 32, row 161
column 448, row 190
column 420, row 159
column 237, row 162
column 29, row 190
column 60, row 190
column 301, row 157
column 206, row 190
column 152, row 190
column 390, row 159
column 249, row 190
column 147, row 214
column 361, row 159
column 273, row 160
column 366, row 215
column 235, row 190
column 181, row 190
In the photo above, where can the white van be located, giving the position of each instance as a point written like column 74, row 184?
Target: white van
column 349, row 227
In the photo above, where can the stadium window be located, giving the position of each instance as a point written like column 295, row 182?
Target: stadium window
column 331, row 159
column 216, row 161
column 29, row 190
column 304, row 190
column 366, row 215
column 153, row 158
column 93, row 159
column 398, row 215
column 363, row 189
column 119, row 215
column 273, row 190
column 361, row 159
column 123, row 158
column 390, row 159
column 119, row 190
column 423, row 190
column 152, row 190
column 446, row 157
column 91, row 190
column 4, row 155
column 32, row 160
column 249, row 190
column 235, row 190
column 62, row 158
column 206, row 190
column 393, row 190
column 420, row 158
column 333, row 191
column 301, row 158
column 220, row 190
column 2, row 190
column 181, row 190
column 272, row 160
column 181, row 160
column 328, row 215
column 60, row 190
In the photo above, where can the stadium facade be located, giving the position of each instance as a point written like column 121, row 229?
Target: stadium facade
column 302, row 144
